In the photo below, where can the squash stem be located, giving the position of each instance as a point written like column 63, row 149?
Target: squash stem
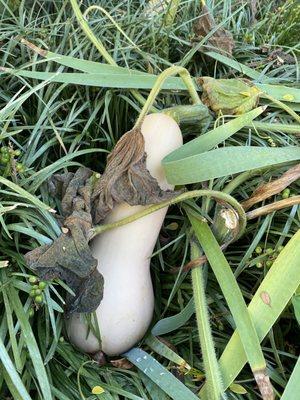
column 182, row 197
column 214, row 386
column 174, row 70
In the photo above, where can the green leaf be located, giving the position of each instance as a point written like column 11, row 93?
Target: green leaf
column 296, row 305
column 165, row 351
column 238, row 389
column 293, row 386
column 16, row 381
column 281, row 92
column 174, row 322
column 280, row 284
column 110, row 80
column 231, row 291
column 159, row 375
column 32, row 346
column 193, row 162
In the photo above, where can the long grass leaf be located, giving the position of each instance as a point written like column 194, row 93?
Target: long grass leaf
column 235, row 301
column 279, row 286
column 8, row 365
column 161, row 376
column 31, row 343
column 293, row 385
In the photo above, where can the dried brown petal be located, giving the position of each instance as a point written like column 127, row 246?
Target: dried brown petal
column 126, row 178
column 271, row 188
column 221, row 41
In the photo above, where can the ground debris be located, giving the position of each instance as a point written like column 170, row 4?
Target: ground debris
column 221, row 40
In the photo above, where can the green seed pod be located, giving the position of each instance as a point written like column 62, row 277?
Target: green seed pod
column 31, row 313
column 35, row 287
column 286, row 193
column 5, row 159
column 269, row 250
column 38, row 292
column 33, row 279
column 17, row 153
column 4, row 150
column 32, row 293
column 259, row 265
column 42, row 285
column 269, row 263
column 38, row 299
column 258, row 250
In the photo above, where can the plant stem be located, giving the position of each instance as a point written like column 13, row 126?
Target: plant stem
column 283, row 106
column 99, row 45
column 266, row 126
column 185, row 76
column 214, row 387
column 182, row 197
column 269, row 208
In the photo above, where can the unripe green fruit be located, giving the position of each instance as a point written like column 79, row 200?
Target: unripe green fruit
column 38, row 299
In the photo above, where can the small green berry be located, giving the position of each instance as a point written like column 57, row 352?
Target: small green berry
column 42, row 285
column 35, row 287
column 17, row 153
column 269, row 263
column 20, row 167
column 38, row 292
column 38, row 299
column 61, row 339
column 286, row 193
column 258, row 250
column 32, row 293
column 269, row 250
column 4, row 150
column 31, row 312
column 259, row 265
column 5, row 159
column 33, row 279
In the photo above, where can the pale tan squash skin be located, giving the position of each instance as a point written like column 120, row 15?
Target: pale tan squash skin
column 126, row 310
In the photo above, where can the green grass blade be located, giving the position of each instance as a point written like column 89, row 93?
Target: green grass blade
column 31, row 343
column 235, row 301
column 165, row 351
column 210, row 139
column 226, row 161
column 108, row 80
column 280, row 284
column 281, row 92
column 159, row 375
column 293, row 385
column 170, row 324
column 214, row 385
column 16, row 382
column 243, row 69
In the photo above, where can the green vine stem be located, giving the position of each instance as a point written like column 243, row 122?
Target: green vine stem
column 214, row 386
column 101, row 9
column 223, row 197
column 283, row 106
column 100, row 47
column 174, row 70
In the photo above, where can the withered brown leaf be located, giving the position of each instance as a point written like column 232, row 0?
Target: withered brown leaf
column 221, row 41
column 69, row 256
column 126, row 178
column 269, row 189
